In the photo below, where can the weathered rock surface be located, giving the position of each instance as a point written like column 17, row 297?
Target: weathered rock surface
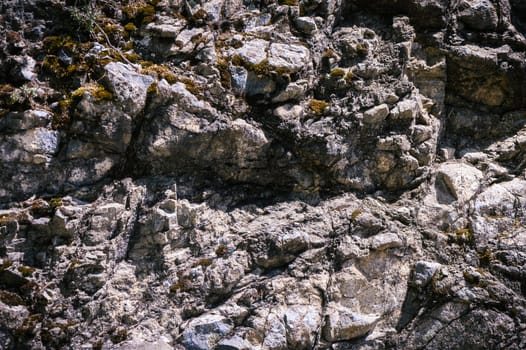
column 273, row 175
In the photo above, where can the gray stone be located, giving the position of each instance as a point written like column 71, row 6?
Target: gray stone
column 302, row 323
column 239, row 77
column 288, row 57
column 253, row 51
column 293, row 91
column 129, row 87
column 405, row 110
column 376, row 114
column 384, row 241
column 306, row 24
column 259, row 85
column 424, row 272
column 462, row 180
column 342, row 324
column 479, row 15
column 234, row 343
column 204, row 332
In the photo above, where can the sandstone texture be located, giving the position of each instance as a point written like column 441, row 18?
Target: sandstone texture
column 278, row 174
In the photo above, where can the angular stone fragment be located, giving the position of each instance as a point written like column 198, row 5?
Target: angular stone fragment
column 424, row 271
column 343, row 324
column 129, row 87
column 376, row 114
column 204, row 332
column 306, row 24
column 384, row 241
column 462, row 180
column 253, row 51
column 288, row 57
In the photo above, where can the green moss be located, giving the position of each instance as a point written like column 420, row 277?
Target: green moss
column 329, row 53
column 11, row 299
column 5, row 219
column 26, row 271
column 153, row 89
column 237, row 60
column 337, row 73
column 95, row 90
column 160, row 72
column 289, row 2
column 55, row 202
column 349, row 76
column 361, row 49
column 462, row 232
column 199, row 17
column 29, row 327
column 485, row 257
column 182, row 285
column 140, row 12
column 118, row 335
column 318, row 106
column 461, row 236
column 474, row 279
column 52, row 44
column 130, row 27
column 261, row 68
column 192, row 86
column 355, row 214
column 225, row 77
column 6, row 264
column 199, row 39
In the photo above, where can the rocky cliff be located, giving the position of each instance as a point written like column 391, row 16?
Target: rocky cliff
column 262, row 174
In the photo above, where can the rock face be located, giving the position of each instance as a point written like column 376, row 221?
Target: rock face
column 271, row 175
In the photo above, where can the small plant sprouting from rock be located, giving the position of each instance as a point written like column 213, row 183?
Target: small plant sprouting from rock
column 26, row 271
column 85, row 17
column 118, row 335
column 183, row 284
column 221, row 250
column 485, row 257
column 329, row 53
column 204, row 262
column 355, row 214
column 461, row 236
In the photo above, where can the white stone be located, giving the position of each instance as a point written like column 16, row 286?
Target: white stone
column 288, row 57
column 254, row 51
column 376, row 114
column 462, row 180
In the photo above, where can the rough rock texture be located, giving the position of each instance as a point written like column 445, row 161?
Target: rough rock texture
column 227, row 174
